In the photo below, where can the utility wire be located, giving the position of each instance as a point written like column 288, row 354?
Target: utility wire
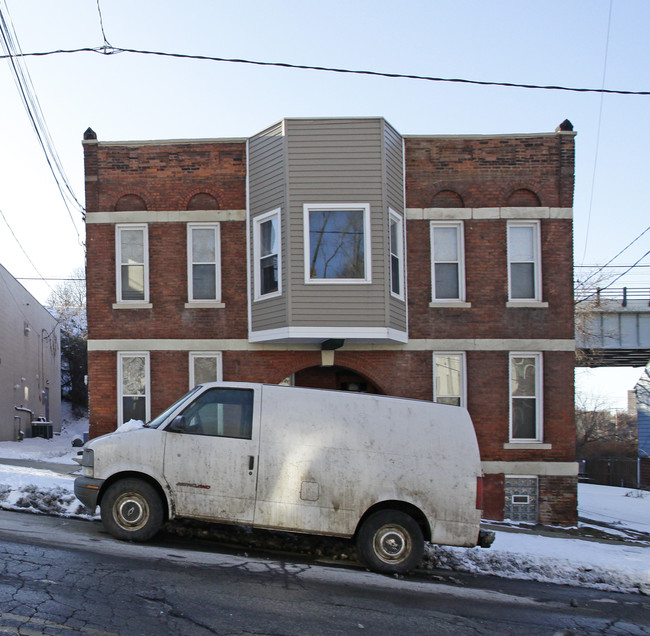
column 41, row 277
column 617, row 255
column 30, row 101
column 111, row 50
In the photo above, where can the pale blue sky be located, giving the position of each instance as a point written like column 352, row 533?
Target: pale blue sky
column 127, row 96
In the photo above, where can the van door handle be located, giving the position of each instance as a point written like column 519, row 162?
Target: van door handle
column 251, row 462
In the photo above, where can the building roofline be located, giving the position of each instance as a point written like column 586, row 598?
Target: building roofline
column 492, row 136
column 165, row 142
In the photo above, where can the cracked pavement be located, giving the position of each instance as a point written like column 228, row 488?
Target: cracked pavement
column 62, row 577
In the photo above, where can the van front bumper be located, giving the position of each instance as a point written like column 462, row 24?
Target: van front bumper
column 86, row 490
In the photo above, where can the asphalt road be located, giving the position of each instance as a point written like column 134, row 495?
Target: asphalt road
column 61, row 576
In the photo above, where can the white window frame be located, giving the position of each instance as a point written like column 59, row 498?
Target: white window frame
column 257, row 235
column 398, row 221
column 463, row 375
column 539, row 397
column 205, row 354
column 367, row 251
column 143, row 227
column 215, row 227
column 537, row 261
column 121, row 355
column 460, row 248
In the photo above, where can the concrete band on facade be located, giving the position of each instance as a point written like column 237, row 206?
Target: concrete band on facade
column 509, row 213
column 474, row 344
column 555, row 469
column 169, row 216
column 412, row 214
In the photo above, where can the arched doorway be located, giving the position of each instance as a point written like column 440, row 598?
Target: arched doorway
column 337, row 378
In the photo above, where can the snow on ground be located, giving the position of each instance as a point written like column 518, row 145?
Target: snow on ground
column 622, row 564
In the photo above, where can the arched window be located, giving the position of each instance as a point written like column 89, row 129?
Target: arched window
column 203, row 201
column 130, row 202
column 447, row 199
column 523, row 198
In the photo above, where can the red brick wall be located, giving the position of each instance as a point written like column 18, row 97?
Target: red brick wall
column 558, row 500
column 486, row 275
column 485, row 171
column 165, row 176
column 167, row 287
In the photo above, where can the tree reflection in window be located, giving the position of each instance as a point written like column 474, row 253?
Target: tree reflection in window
column 336, row 244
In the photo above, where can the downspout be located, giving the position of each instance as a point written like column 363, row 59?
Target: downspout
column 31, row 417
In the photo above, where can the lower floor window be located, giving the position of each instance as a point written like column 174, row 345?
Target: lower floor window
column 133, row 387
column 205, row 367
column 449, row 378
column 526, row 397
column 521, row 499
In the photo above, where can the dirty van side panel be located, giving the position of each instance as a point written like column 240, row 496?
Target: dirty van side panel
column 329, row 456
column 211, row 468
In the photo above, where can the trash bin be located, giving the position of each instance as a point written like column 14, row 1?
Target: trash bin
column 41, row 428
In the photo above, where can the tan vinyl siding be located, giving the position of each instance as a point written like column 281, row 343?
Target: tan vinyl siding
column 336, row 161
column 394, row 153
column 267, row 192
column 328, row 161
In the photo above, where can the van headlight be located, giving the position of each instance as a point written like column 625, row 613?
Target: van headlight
column 88, row 463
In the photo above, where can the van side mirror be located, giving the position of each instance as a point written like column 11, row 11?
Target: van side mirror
column 178, row 425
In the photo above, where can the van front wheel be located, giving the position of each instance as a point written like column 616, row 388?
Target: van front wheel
column 390, row 542
column 131, row 510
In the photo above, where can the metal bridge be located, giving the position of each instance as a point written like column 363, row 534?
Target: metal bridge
column 613, row 328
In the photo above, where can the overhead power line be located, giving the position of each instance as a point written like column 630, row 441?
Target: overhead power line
column 107, row 49
column 10, row 44
column 608, row 263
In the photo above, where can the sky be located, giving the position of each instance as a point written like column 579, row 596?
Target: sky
column 581, row 43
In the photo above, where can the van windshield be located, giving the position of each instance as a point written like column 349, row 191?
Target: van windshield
column 157, row 421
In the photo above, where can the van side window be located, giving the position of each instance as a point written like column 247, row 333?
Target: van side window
column 221, row 413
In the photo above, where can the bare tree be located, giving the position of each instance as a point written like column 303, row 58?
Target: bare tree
column 603, row 433
column 67, row 303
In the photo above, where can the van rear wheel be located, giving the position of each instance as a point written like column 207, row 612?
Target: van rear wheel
column 132, row 510
column 390, row 542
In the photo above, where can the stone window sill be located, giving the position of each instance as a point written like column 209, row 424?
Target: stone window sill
column 527, row 446
column 526, row 304
column 205, row 305
column 132, row 306
column 450, row 305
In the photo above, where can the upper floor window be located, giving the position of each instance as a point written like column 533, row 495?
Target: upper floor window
column 449, row 385
column 337, row 242
column 396, row 242
column 203, row 262
column 524, row 262
column 133, row 387
column 205, row 367
column 447, row 261
column 266, row 255
column 132, row 263
column 526, row 397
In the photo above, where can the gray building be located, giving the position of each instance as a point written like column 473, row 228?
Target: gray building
column 30, row 363
column 642, row 390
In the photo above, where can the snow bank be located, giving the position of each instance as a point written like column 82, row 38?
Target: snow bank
column 39, row 491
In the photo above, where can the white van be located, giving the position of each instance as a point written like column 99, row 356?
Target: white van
column 388, row 472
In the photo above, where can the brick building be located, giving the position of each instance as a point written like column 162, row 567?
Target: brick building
column 338, row 253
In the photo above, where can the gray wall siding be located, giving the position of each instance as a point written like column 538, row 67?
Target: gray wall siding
column 336, row 161
column 267, row 191
column 395, row 179
column 29, row 359
column 328, row 161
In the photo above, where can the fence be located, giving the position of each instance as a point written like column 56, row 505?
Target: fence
column 611, row 472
